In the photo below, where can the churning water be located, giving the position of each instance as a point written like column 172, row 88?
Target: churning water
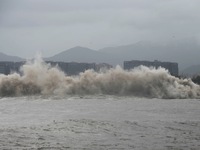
column 99, row 122
column 39, row 78
column 41, row 109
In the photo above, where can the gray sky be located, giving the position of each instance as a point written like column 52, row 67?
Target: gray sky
column 51, row 26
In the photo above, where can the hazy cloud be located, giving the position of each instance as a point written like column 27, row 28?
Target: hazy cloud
column 50, row 26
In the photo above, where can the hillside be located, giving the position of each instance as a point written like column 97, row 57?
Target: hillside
column 186, row 52
column 82, row 54
column 4, row 57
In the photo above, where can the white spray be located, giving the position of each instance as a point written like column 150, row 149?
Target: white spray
column 40, row 78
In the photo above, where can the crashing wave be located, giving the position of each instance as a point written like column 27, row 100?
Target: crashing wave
column 40, row 78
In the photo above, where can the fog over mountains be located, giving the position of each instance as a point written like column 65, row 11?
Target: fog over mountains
column 4, row 57
column 83, row 54
column 186, row 52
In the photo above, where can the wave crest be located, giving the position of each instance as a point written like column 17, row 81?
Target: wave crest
column 40, row 78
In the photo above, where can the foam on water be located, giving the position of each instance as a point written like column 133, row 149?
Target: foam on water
column 40, row 78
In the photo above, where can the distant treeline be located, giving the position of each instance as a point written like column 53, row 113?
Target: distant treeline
column 196, row 79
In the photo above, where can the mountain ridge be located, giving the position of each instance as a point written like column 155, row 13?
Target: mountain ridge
column 5, row 57
column 83, row 54
column 185, row 52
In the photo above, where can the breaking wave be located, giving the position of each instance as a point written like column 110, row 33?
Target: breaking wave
column 40, row 78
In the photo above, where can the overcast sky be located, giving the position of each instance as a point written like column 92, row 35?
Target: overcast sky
column 51, row 26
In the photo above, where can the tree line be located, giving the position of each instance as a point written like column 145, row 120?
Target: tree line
column 196, row 79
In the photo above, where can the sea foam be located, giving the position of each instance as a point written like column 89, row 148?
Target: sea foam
column 37, row 77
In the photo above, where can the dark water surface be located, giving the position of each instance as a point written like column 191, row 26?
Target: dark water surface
column 99, row 122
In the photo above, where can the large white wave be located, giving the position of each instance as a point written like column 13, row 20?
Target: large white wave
column 40, row 78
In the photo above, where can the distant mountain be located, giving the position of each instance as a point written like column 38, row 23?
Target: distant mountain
column 4, row 57
column 82, row 54
column 139, row 51
column 186, row 52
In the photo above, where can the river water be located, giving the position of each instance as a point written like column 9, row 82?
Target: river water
column 99, row 122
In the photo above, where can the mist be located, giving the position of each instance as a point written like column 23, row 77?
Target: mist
column 53, row 26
